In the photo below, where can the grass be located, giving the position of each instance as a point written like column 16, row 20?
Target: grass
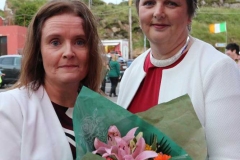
column 206, row 16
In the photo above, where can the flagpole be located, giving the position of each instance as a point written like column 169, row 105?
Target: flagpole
column 226, row 38
column 130, row 27
column 226, row 34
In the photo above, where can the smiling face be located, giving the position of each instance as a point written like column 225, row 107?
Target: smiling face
column 64, row 50
column 164, row 21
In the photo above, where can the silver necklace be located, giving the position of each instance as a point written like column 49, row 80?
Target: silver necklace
column 171, row 60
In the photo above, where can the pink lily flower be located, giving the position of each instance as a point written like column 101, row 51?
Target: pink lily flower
column 119, row 147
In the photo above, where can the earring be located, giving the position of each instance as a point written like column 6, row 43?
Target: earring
column 189, row 26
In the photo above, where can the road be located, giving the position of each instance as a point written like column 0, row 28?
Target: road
column 108, row 87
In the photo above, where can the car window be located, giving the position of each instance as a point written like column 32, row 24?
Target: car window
column 7, row 61
column 17, row 61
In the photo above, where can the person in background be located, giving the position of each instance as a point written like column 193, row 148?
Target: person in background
column 232, row 50
column 61, row 54
column 114, row 74
column 105, row 70
column 177, row 64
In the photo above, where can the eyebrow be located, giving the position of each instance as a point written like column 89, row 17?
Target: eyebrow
column 49, row 35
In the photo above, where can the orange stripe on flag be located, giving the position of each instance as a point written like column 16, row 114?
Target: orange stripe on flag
column 212, row 28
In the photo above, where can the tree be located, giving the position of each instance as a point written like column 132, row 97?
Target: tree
column 24, row 10
column 24, row 14
column 1, row 13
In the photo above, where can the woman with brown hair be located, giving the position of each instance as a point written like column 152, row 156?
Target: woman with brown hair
column 61, row 55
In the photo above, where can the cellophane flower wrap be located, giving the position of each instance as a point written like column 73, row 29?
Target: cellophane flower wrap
column 174, row 124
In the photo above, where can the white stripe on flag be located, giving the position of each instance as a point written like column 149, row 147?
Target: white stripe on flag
column 217, row 28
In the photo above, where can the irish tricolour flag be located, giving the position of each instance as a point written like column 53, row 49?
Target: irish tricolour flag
column 218, row 27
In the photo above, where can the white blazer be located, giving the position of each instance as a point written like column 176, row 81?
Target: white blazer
column 29, row 127
column 212, row 80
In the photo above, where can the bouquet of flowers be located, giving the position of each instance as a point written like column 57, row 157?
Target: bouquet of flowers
column 167, row 130
column 128, row 147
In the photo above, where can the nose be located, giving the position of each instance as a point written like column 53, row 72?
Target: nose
column 68, row 52
column 159, row 12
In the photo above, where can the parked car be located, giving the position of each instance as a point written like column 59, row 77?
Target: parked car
column 129, row 62
column 10, row 65
column 124, row 65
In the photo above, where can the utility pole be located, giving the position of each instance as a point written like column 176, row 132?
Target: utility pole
column 89, row 4
column 130, row 28
column 145, row 42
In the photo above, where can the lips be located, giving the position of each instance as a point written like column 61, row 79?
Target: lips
column 69, row 66
column 159, row 26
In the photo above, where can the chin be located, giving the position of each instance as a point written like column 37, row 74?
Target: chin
column 157, row 38
column 71, row 80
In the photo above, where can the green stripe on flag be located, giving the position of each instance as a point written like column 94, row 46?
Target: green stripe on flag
column 223, row 27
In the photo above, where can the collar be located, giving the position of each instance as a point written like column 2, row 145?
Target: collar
column 171, row 60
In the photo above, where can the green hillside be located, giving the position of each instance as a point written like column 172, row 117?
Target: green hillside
column 113, row 24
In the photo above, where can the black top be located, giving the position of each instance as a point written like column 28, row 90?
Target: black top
column 67, row 125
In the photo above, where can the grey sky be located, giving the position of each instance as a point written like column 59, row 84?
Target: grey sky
column 2, row 4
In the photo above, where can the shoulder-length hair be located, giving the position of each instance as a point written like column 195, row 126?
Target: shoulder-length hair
column 32, row 71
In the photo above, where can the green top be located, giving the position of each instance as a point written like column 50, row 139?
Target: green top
column 114, row 69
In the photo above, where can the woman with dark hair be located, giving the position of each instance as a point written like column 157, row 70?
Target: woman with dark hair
column 177, row 64
column 61, row 54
